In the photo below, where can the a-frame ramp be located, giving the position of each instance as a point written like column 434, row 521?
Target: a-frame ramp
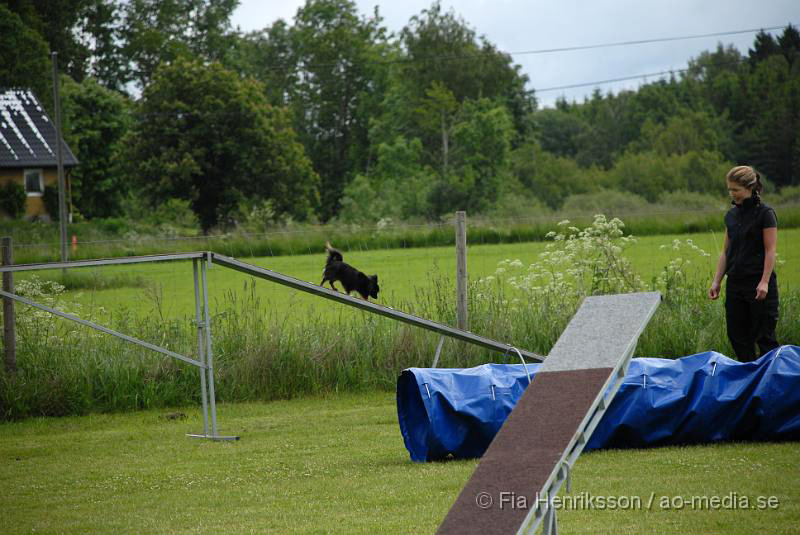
column 512, row 487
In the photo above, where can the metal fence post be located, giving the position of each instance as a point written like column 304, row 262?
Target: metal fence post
column 9, row 325
column 200, row 349
column 461, row 270
column 209, row 353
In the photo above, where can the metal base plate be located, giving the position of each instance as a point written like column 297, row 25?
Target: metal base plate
column 212, row 437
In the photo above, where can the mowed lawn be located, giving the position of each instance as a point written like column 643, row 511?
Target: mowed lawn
column 402, row 273
column 338, row 465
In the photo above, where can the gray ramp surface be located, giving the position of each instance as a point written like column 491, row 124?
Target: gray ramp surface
column 601, row 331
column 553, row 419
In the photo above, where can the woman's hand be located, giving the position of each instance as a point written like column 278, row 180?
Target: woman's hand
column 761, row 290
column 713, row 292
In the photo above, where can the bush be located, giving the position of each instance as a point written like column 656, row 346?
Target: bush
column 549, row 178
column 690, row 201
column 788, row 195
column 605, row 202
column 515, row 205
column 50, row 199
column 12, row 199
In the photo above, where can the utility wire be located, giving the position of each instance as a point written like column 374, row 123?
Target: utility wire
column 610, row 80
column 463, row 57
column 641, row 41
column 564, row 49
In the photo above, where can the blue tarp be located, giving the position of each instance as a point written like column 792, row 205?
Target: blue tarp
column 700, row 398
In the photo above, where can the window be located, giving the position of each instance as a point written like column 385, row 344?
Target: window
column 34, row 183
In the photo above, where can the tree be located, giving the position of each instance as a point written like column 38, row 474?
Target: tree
column 203, row 134
column 764, row 47
column 773, row 90
column 709, row 65
column 100, row 29
column 56, row 21
column 24, row 58
column 267, row 56
column 397, row 186
column 159, row 31
column 687, row 131
column 646, row 174
column 558, row 131
column 548, row 178
column 481, row 146
column 789, row 43
column 440, row 48
column 95, row 121
column 337, row 77
column 436, row 114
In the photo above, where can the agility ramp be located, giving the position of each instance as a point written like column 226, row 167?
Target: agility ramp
column 202, row 262
column 513, row 486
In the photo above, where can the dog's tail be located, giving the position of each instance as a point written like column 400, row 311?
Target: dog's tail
column 333, row 254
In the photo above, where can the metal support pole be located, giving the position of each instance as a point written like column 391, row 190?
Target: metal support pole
column 200, row 349
column 550, row 521
column 62, row 189
column 208, row 352
column 438, row 351
column 461, row 270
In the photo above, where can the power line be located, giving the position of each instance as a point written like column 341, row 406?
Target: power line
column 464, row 57
column 610, row 80
column 565, row 49
column 641, row 41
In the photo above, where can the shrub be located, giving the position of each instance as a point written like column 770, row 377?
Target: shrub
column 686, row 201
column 605, row 202
column 50, row 199
column 12, row 199
column 788, row 195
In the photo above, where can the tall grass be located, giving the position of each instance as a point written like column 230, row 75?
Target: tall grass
column 262, row 354
column 38, row 242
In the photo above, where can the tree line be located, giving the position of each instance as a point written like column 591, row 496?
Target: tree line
column 332, row 117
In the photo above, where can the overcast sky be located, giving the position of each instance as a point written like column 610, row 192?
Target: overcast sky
column 516, row 26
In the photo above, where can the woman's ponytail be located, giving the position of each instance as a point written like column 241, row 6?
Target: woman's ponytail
column 758, row 186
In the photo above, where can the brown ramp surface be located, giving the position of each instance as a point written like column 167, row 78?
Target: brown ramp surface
column 553, row 417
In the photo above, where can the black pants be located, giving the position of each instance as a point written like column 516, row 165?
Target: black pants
column 751, row 322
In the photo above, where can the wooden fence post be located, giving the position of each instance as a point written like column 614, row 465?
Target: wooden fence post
column 9, row 329
column 461, row 269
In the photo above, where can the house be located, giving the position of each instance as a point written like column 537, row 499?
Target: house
column 28, row 153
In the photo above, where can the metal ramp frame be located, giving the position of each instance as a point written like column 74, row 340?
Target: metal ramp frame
column 204, row 359
column 513, row 486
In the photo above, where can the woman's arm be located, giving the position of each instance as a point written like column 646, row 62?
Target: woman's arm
column 713, row 292
column 770, row 246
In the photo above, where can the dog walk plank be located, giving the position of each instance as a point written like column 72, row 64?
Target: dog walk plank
column 528, row 449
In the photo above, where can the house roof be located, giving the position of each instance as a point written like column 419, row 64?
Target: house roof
column 27, row 135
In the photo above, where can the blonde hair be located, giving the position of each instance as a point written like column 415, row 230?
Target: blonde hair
column 747, row 177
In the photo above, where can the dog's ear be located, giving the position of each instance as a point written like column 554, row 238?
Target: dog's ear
column 374, row 277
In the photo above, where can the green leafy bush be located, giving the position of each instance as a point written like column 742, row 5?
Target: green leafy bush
column 605, row 202
column 12, row 199
column 50, row 199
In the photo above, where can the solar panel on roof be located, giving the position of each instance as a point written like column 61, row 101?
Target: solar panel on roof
column 27, row 136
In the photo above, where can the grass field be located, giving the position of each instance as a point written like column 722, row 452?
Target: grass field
column 402, row 273
column 271, row 342
column 338, row 465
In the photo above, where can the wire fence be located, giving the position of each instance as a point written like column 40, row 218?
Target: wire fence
column 385, row 234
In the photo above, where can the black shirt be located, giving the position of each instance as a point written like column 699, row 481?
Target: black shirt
column 745, row 224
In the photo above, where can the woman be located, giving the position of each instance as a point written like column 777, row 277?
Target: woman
column 748, row 259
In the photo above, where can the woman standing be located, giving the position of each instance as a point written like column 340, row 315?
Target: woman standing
column 748, row 259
